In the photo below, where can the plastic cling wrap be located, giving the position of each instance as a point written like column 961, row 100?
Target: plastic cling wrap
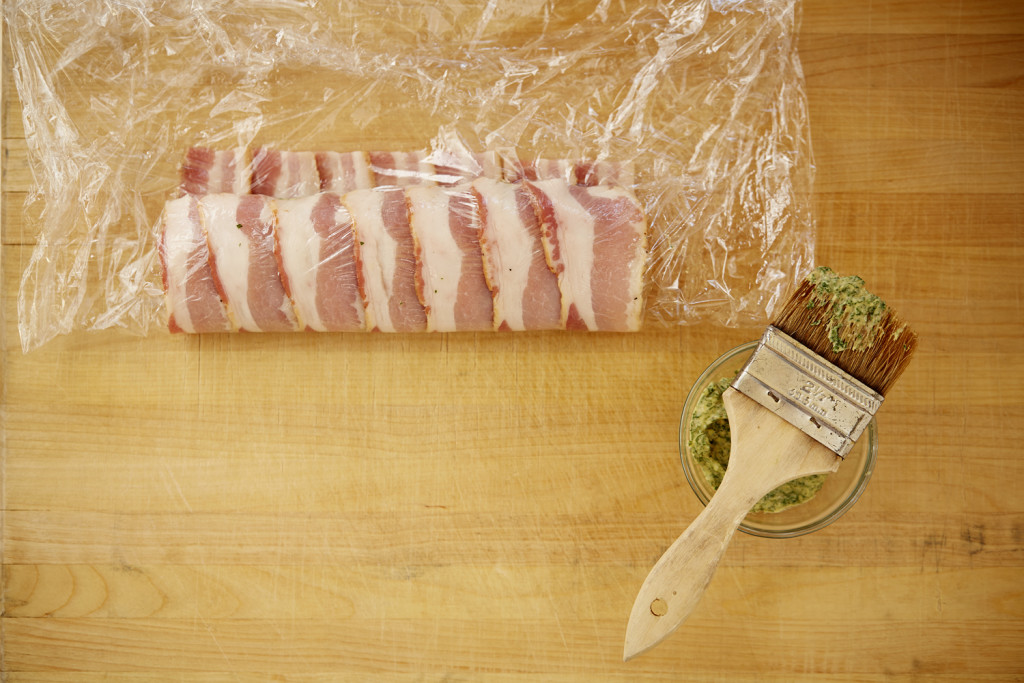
column 702, row 100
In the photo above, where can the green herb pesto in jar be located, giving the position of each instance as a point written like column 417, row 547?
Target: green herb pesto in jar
column 710, row 442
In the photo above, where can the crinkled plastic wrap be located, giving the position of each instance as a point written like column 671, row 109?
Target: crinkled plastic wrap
column 702, row 99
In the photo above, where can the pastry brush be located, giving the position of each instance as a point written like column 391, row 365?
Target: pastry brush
column 809, row 390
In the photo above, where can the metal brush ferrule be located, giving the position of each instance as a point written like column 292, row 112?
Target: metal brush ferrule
column 821, row 400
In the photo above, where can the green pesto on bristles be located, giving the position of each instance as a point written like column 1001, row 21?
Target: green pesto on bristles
column 851, row 314
column 838, row 319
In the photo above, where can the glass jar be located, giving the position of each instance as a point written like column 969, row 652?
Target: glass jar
column 841, row 490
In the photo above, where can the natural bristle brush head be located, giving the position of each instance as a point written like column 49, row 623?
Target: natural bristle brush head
column 837, row 318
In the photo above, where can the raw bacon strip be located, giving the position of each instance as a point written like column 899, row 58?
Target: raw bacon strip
column 449, row 264
column 240, row 232
column 193, row 304
column 343, row 172
column 539, row 169
column 401, row 169
column 284, row 174
column 489, row 163
column 385, row 260
column 316, row 254
column 525, row 291
column 592, row 173
column 206, row 171
column 516, row 170
column 454, row 169
column 554, row 169
column 589, row 173
column 595, row 239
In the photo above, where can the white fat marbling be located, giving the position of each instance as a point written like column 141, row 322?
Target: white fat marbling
column 378, row 254
column 575, row 235
column 179, row 240
column 299, row 246
column 440, row 256
column 508, row 250
column 230, row 248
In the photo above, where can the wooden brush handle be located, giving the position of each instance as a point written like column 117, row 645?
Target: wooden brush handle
column 766, row 452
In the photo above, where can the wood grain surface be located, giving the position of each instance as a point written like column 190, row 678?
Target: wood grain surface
column 485, row 507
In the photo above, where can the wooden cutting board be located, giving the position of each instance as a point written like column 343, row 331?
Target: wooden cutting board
column 486, row 506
